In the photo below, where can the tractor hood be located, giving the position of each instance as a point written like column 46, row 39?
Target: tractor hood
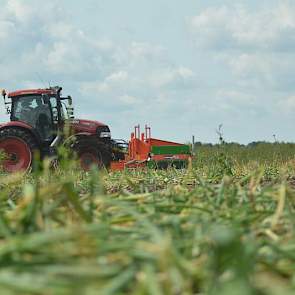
column 89, row 126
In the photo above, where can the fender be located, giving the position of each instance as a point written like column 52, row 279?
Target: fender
column 16, row 124
column 23, row 126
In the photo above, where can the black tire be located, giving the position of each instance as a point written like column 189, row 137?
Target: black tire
column 91, row 146
column 22, row 137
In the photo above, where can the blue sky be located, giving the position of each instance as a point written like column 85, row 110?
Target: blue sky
column 184, row 67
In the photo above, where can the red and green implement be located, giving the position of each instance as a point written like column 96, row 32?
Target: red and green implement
column 143, row 150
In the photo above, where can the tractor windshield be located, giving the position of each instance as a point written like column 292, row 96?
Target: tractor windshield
column 33, row 110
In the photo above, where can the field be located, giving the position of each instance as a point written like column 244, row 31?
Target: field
column 223, row 226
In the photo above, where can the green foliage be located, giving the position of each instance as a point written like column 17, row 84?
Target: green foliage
column 223, row 226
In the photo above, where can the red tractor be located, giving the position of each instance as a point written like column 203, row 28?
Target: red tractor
column 40, row 121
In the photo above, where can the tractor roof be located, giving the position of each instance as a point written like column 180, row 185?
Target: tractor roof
column 49, row 91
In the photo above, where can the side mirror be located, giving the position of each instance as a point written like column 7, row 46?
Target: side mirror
column 3, row 92
column 70, row 100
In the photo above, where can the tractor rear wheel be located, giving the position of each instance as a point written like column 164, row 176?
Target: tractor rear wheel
column 18, row 147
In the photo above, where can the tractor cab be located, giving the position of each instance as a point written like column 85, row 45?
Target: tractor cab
column 44, row 110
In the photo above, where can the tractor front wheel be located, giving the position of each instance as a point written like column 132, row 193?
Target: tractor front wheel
column 18, row 148
column 90, row 153
column 89, row 158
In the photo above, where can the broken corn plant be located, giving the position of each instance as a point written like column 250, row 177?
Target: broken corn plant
column 194, row 231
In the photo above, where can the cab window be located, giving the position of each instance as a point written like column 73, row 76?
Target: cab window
column 34, row 111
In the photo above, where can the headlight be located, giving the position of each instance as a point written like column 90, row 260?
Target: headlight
column 103, row 132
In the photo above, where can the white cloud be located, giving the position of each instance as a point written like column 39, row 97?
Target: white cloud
column 120, row 76
column 239, row 28
column 287, row 105
column 145, row 50
column 63, row 59
column 254, row 46
column 93, row 87
column 42, row 38
column 7, row 28
column 59, row 30
column 172, row 76
column 235, row 97
column 237, row 102
column 129, row 100
column 114, row 80
column 254, row 65
column 20, row 10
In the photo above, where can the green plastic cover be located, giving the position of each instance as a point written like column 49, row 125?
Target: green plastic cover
column 171, row 150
